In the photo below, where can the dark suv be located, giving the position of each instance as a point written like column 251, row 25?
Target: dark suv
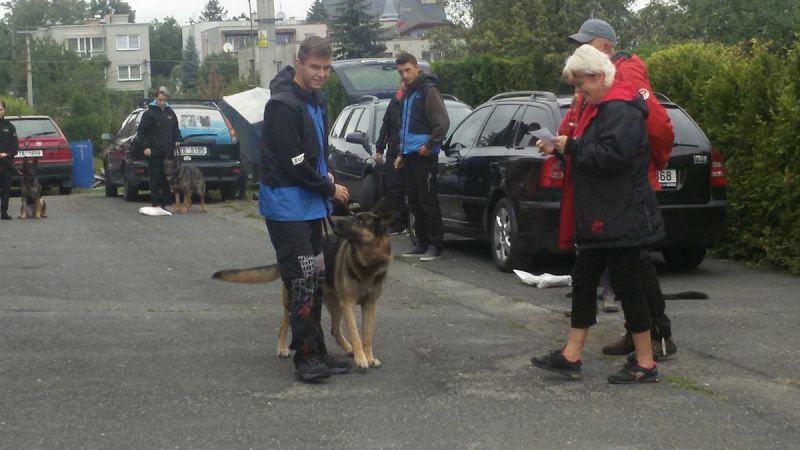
column 495, row 185
column 209, row 143
column 352, row 144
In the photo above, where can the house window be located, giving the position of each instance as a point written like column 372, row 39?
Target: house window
column 284, row 38
column 128, row 42
column 129, row 73
column 87, row 47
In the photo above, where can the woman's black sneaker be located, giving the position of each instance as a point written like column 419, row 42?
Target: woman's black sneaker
column 633, row 373
column 336, row 366
column 556, row 362
column 311, row 369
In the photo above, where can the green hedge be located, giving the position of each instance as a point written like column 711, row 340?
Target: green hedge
column 748, row 102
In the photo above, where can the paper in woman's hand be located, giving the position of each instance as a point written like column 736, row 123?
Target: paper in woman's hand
column 544, row 135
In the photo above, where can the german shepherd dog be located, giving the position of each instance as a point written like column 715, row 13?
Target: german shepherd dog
column 185, row 180
column 30, row 192
column 356, row 265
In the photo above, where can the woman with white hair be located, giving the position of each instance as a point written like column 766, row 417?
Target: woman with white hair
column 611, row 211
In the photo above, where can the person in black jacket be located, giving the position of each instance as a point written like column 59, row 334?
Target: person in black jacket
column 160, row 136
column 614, row 211
column 393, row 181
column 9, row 145
column 422, row 129
column 294, row 198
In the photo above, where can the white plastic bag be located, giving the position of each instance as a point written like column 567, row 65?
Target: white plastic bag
column 154, row 211
column 544, row 280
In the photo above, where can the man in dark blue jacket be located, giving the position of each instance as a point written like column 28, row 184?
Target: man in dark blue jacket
column 422, row 130
column 294, row 197
column 160, row 135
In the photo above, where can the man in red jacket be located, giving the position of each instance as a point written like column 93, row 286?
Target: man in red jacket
column 600, row 35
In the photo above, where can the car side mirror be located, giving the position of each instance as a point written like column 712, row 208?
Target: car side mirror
column 452, row 150
column 106, row 137
column 359, row 137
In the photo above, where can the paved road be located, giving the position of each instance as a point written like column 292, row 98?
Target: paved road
column 113, row 335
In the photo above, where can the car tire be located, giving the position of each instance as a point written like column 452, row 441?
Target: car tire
column 503, row 224
column 129, row 193
column 111, row 188
column 684, row 258
column 369, row 192
column 228, row 192
column 64, row 190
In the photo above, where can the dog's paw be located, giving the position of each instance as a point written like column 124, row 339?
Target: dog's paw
column 283, row 353
column 375, row 363
column 361, row 363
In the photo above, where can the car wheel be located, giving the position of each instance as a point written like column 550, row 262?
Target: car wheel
column 685, row 258
column 65, row 190
column 129, row 193
column 227, row 192
column 111, row 188
column 503, row 225
column 369, row 192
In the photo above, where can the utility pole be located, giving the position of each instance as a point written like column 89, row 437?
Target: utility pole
column 146, row 77
column 28, row 71
column 253, row 42
column 266, row 41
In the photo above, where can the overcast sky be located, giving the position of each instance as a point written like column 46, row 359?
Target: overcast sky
column 182, row 10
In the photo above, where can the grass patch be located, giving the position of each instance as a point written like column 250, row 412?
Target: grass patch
column 678, row 382
column 515, row 325
column 254, row 215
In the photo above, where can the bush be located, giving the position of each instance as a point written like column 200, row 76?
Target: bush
column 16, row 106
column 747, row 100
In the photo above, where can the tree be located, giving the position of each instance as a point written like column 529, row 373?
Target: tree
column 355, row 31
column 317, row 13
column 166, row 46
column 189, row 67
column 24, row 14
column 732, row 21
column 213, row 12
column 103, row 7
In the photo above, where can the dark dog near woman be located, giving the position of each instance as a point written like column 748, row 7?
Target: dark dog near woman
column 30, row 192
column 185, row 180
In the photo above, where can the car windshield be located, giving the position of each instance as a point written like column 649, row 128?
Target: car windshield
column 372, row 78
column 34, row 127
column 200, row 121
column 686, row 131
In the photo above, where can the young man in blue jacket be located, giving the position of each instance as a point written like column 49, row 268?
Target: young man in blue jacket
column 423, row 128
column 294, row 197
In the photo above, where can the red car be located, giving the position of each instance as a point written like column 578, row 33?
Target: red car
column 40, row 138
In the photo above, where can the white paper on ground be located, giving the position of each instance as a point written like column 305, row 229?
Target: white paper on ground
column 153, row 211
column 544, row 280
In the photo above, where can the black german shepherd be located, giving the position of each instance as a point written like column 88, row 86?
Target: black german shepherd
column 30, row 192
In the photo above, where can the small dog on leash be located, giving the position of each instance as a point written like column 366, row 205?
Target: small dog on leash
column 185, row 180
column 30, row 192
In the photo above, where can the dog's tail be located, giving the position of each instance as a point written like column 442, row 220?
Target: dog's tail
column 262, row 274
column 687, row 295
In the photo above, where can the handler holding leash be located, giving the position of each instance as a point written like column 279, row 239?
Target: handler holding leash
column 296, row 188
column 160, row 135
column 9, row 145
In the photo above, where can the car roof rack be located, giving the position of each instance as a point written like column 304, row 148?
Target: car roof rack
column 451, row 97
column 367, row 98
column 142, row 103
column 529, row 94
column 662, row 97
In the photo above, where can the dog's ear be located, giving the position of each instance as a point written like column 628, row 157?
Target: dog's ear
column 25, row 163
column 378, row 207
column 387, row 218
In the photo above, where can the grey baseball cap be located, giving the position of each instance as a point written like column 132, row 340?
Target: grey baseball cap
column 594, row 28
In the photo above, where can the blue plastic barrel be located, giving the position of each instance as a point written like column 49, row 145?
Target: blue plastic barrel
column 82, row 164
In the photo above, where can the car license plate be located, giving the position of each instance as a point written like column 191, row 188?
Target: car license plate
column 193, row 151
column 668, row 178
column 29, row 154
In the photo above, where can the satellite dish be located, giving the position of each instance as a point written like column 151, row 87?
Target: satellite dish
column 227, row 48
column 280, row 16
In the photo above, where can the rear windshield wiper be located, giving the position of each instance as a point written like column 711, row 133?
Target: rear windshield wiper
column 678, row 144
column 41, row 133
